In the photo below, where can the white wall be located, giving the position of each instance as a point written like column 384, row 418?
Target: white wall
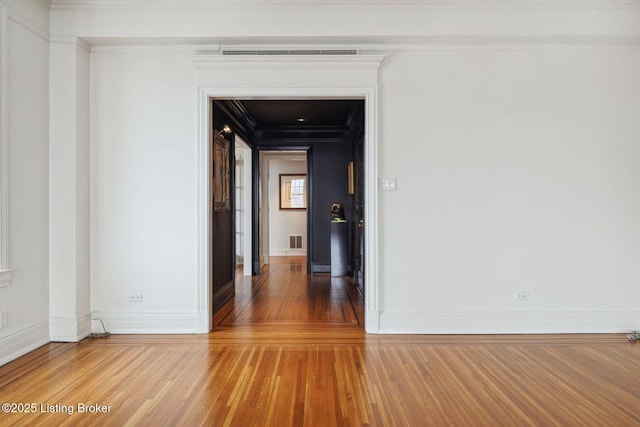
column 522, row 176
column 26, row 298
column 513, row 136
column 264, row 208
column 282, row 223
column 240, row 188
column 244, row 209
column 69, row 305
column 143, row 191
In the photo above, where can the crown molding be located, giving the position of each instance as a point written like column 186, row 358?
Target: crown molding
column 28, row 23
column 30, row 26
column 364, row 47
column 79, row 42
column 45, row 4
column 408, row 5
column 333, row 61
column 243, row 23
column 507, row 43
column 464, row 3
column 101, row 46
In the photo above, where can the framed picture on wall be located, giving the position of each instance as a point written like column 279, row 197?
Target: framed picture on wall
column 293, row 191
column 351, row 183
column 220, row 184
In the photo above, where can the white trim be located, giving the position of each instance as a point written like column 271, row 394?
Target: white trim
column 22, row 342
column 509, row 4
column 84, row 326
column 322, row 77
column 504, row 43
column 148, row 323
column 466, row 43
column 84, row 45
column 509, row 322
column 69, row 329
column 5, row 277
column 508, row 43
column 288, row 252
column 248, row 208
column 204, row 297
column 203, row 322
column 372, row 290
column 137, row 46
column 249, row 48
column 81, row 43
column 29, row 26
column 284, row 62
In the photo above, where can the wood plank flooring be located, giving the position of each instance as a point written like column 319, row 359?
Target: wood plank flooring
column 322, row 370
column 286, row 295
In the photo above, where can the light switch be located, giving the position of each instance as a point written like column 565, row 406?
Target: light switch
column 388, row 184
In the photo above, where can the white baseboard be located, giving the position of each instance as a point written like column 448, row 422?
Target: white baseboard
column 69, row 329
column 204, row 322
column 149, row 323
column 22, row 342
column 509, row 322
column 287, row 252
column 372, row 322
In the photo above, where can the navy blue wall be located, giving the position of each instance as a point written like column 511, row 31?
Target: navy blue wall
column 223, row 231
column 329, row 185
column 329, row 155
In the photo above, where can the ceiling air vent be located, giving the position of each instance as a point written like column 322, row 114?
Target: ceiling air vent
column 279, row 52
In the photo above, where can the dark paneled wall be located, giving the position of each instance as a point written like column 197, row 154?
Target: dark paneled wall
column 328, row 163
column 356, row 218
column 330, row 151
column 223, row 273
column 223, row 231
column 329, row 185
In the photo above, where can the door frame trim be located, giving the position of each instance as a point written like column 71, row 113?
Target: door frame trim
column 255, row 220
column 290, row 77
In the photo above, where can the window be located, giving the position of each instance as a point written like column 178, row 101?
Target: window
column 293, row 191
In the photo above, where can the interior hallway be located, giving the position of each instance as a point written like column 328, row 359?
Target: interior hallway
column 285, row 295
column 292, row 352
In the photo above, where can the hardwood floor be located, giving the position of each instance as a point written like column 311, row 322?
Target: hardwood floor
column 315, row 366
column 285, row 295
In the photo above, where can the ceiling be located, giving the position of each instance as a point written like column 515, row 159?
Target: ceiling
column 268, row 121
column 315, row 112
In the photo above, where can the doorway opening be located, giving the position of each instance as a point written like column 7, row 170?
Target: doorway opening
column 287, row 77
column 243, row 205
column 307, row 156
column 283, row 206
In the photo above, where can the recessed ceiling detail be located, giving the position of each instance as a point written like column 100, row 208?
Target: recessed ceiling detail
column 267, row 120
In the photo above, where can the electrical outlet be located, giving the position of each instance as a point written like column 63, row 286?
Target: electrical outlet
column 521, row 296
column 4, row 320
column 135, row 298
column 388, row 184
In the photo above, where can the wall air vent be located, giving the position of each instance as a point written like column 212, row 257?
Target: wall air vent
column 280, row 52
column 295, row 241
